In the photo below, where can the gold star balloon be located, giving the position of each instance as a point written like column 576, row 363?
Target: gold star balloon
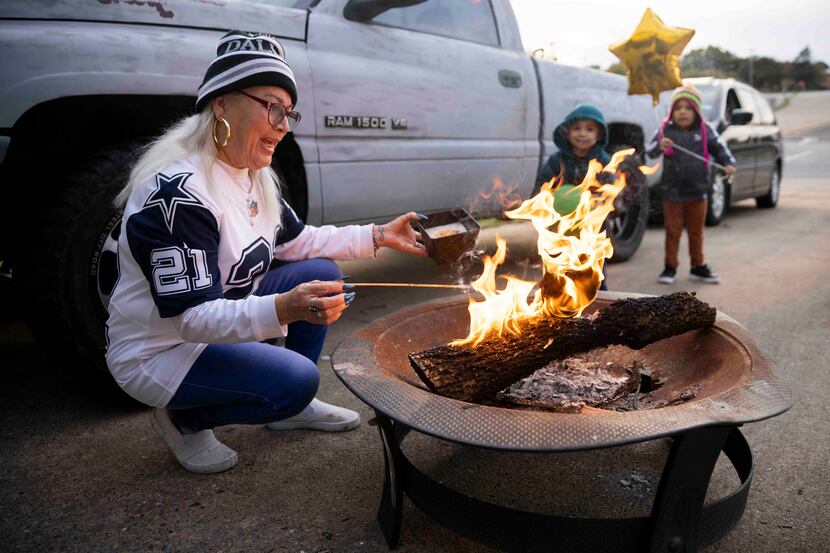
column 651, row 55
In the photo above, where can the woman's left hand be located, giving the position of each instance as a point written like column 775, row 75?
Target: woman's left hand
column 398, row 234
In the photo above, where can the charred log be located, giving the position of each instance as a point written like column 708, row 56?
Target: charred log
column 473, row 374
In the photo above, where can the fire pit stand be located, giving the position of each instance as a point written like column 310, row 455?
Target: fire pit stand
column 678, row 521
column 374, row 366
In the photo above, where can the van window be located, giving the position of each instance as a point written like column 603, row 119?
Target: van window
column 767, row 117
column 472, row 21
column 748, row 104
column 732, row 103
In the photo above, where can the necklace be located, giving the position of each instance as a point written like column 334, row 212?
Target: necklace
column 250, row 200
column 253, row 209
column 253, row 206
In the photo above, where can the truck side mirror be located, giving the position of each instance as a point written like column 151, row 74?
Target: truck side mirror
column 363, row 11
column 740, row 117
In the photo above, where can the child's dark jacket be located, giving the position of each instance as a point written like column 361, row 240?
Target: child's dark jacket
column 686, row 177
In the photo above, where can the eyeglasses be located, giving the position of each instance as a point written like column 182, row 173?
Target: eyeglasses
column 276, row 111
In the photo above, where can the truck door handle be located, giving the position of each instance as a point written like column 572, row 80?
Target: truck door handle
column 510, row 79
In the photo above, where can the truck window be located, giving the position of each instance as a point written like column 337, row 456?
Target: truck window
column 748, row 103
column 472, row 20
column 767, row 117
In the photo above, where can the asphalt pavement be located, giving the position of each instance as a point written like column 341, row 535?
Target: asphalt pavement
column 82, row 470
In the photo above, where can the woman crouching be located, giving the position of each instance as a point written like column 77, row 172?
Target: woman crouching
column 195, row 299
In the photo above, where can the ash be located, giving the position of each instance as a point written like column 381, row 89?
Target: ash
column 573, row 383
column 614, row 378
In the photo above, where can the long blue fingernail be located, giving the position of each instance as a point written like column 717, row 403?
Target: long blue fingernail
column 345, row 277
column 348, row 286
column 422, row 216
column 349, row 297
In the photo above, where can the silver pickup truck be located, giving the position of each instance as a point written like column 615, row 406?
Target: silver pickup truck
column 407, row 105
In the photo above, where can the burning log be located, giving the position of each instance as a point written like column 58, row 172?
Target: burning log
column 480, row 372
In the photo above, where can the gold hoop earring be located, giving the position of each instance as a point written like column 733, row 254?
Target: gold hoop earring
column 227, row 131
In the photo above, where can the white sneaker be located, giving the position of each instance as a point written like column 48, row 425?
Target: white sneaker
column 320, row 416
column 201, row 452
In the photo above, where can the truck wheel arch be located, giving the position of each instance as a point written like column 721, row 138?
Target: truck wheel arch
column 289, row 165
column 83, row 149
column 626, row 134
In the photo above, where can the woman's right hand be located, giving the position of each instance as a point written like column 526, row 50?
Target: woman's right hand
column 666, row 143
column 313, row 302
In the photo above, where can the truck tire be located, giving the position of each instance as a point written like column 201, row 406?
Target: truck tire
column 627, row 225
column 70, row 268
column 717, row 201
column 626, row 228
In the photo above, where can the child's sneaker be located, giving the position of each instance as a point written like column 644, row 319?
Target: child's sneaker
column 201, row 452
column 319, row 415
column 667, row 276
column 703, row 273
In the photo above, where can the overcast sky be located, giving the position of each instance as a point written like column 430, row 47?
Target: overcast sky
column 582, row 31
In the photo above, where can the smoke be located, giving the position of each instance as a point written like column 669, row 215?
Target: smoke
column 468, row 267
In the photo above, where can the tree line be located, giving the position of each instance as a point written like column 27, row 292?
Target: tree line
column 762, row 72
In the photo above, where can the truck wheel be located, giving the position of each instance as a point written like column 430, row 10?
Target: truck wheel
column 717, row 201
column 770, row 199
column 71, row 266
column 627, row 226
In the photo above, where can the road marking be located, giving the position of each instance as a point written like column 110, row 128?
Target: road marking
column 798, row 156
column 807, row 140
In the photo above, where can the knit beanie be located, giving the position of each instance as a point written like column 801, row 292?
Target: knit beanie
column 687, row 92
column 692, row 95
column 244, row 60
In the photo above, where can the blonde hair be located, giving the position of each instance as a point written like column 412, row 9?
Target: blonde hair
column 189, row 136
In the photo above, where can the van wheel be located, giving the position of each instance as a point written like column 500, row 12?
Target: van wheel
column 717, row 201
column 71, row 266
column 771, row 198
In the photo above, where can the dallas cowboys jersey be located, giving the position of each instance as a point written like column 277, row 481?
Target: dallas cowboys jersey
column 190, row 254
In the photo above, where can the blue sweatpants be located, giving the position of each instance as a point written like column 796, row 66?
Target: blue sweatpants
column 255, row 383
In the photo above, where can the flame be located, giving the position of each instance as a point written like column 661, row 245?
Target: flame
column 501, row 311
column 573, row 249
column 500, row 197
column 506, row 195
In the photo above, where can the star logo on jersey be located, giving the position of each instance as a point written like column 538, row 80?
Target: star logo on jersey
column 170, row 194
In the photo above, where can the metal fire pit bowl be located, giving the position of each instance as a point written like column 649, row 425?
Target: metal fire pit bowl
column 737, row 386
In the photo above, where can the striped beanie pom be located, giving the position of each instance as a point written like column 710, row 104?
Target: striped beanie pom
column 244, row 60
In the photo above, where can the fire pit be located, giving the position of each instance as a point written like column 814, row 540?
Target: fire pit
column 735, row 384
